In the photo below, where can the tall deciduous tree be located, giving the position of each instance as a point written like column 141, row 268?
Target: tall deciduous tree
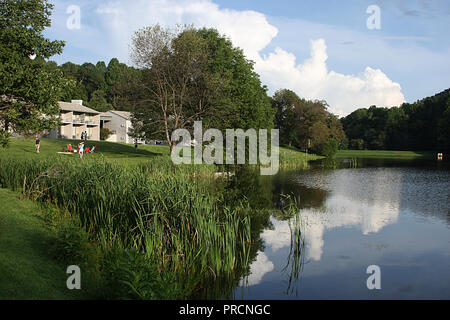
column 178, row 83
column 285, row 102
column 195, row 74
column 245, row 103
column 30, row 87
column 307, row 124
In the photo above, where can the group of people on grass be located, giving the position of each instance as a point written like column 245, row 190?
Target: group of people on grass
column 81, row 150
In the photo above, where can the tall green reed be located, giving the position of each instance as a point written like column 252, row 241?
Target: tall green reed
column 162, row 210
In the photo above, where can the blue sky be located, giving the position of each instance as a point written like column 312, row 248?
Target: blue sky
column 319, row 49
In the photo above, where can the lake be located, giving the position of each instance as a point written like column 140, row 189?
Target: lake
column 394, row 214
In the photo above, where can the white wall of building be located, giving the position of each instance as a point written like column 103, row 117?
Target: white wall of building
column 119, row 126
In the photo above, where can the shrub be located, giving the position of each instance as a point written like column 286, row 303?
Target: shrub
column 72, row 244
column 131, row 275
column 4, row 138
column 329, row 148
column 105, row 133
column 357, row 144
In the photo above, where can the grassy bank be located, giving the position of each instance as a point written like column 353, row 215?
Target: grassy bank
column 292, row 157
column 383, row 154
column 179, row 232
column 29, row 270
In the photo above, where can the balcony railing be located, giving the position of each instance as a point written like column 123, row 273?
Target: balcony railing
column 78, row 120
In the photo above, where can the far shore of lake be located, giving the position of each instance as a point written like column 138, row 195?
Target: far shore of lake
column 384, row 154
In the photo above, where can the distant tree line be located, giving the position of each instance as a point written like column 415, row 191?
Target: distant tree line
column 423, row 125
column 102, row 87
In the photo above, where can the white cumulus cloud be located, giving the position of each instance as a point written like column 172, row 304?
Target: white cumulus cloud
column 312, row 80
column 251, row 31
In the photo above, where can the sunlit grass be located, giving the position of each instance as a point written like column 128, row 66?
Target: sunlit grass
column 382, row 154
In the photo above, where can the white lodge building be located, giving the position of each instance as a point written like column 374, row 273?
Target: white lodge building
column 119, row 122
column 75, row 119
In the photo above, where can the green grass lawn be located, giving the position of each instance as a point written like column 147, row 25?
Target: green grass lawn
column 293, row 156
column 382, row 154
column 112, row 150
column 20, row 147
column 125, row 153
column 28, row 271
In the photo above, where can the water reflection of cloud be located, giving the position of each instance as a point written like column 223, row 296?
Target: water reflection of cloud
column 344, row 212
column 258, row 269
column 368, row 205
column 356, row 199
column 338, row 211
column 278, row 237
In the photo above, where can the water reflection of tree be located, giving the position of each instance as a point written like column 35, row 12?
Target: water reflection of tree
column 248, row 184
column 329, row 163
column 279, row 196
column 246, row 190
column 305, row 197
column 265, row 197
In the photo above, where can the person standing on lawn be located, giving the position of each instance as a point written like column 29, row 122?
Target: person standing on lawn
column 37, row 144
column 81, row 149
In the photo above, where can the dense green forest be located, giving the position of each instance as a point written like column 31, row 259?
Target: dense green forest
column 102, row 87
column 423, row 125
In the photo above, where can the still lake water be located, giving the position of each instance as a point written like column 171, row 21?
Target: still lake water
column 390, row 213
